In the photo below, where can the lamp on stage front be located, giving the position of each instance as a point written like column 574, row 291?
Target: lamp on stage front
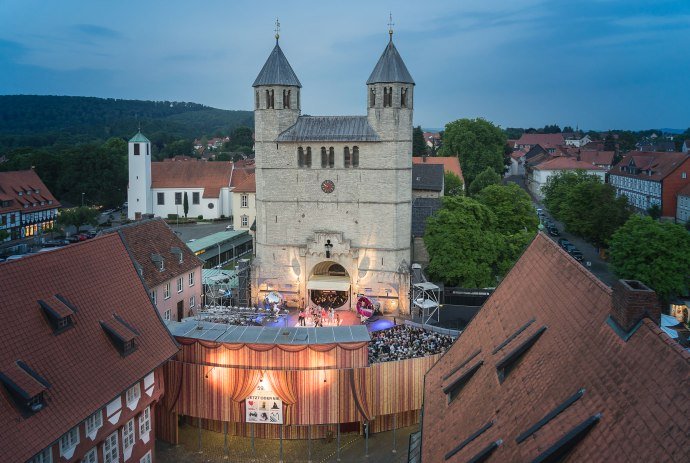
column 328, row 247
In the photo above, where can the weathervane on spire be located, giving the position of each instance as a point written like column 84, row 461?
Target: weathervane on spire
column 390, row 25
column 277, row 30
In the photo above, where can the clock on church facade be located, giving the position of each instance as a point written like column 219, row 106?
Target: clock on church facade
column 328, row 186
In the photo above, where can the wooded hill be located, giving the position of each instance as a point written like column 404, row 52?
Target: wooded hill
column 42, row 121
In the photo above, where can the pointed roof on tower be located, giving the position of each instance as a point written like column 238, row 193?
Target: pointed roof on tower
column 390, row 67
column 277, row 70
column 139, row 138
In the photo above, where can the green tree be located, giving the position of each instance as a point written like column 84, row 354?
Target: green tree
column 487, row 177
column 558, row 186
column 654, row 211
column 512, row 205
column 241, row 137
column 185, row 205
column 78, row 217
column 452, row 184
column 657, row 254
column 463, row 246
column 418, row 143
column 477, row 143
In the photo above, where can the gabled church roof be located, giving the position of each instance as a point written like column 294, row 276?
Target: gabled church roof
column 330, row 128
column 277, row 71
column 390, row 68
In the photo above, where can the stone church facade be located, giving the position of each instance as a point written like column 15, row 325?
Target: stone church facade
column 333, row 193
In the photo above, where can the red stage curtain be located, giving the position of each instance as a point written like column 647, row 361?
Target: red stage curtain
column 210, row 344
column 283, row 384
column 322, row 347
column 261, row 347
column 353, row 346
column 172, row 378
column 291, row 347
column 358, row 385
column 245, row 381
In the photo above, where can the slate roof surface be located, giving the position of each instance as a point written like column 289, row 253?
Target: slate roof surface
column 390, row 68
column 14, row 182
column 277, row 71
column 450, row 163
column 640, row 387
column 85, row 371
column 222, row 332
column 422, row 208
column 145, row 238
column 662, row 164
column 330, row 128
column 211, row 176
column 427, row 177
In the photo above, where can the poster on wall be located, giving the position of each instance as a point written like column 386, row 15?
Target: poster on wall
column 263, row 405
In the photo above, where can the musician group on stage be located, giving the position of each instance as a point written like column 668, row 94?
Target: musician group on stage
column 317, row 316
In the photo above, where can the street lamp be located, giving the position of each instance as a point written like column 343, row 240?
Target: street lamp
column 82, row 200
column 328, row 247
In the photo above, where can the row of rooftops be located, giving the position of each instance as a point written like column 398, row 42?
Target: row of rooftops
column 24, row 191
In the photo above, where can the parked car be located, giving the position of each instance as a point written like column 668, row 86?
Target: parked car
column 230, row 227
column 564, row 243
column 73, row 238
column 576, row 254
column 82, row 237
column 553, row 231
column 55, row 243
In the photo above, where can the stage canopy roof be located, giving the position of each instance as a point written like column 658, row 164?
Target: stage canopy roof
column 425, row 303
column 329, row 283
column 426, row 286
column 234, row 334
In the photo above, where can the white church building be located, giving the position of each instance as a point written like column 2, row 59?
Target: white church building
column 160, row 188
column 334, row 193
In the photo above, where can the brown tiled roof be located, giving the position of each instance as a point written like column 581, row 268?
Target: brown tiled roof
column 565, row 163
column 543, row 139
column 211, row 176
column 450, row 163
column 604, row 158
column 82, row 367
column 154, row 237
column 25, row 182
column 639, row 387
column 661, row 164
column 243, row 180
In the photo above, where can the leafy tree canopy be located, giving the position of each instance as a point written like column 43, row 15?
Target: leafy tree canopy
column 477, row 143
column 452, row 184
column 418, row 143
column 657, row 254
column 487, row 177
column 78, row 216
column 512, row 204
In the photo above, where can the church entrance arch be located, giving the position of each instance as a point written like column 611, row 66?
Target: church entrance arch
column 329, row 285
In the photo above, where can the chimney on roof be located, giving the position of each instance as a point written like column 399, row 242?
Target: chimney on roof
column 632, row 301
column 424, row 157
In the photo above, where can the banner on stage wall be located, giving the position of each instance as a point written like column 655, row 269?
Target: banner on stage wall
column 264, row 406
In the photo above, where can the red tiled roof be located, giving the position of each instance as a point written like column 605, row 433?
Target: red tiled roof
column 83, row 368
column 565, row 163
column 25, row 182
column 211, row 176
column 640, row 387
column 604, row 158
column 243, row 180
column 450, row 163
column 543, row 139
column 153, row 236
column 662, row 164
column 517, row 154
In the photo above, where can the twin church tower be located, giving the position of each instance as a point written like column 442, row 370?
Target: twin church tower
column 334, row 193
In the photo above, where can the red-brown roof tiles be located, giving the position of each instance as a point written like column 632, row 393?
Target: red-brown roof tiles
column 600, row 158
column 565, row 163
column 153, row 236
column 636, row 392
column 450, row 163
column 211, row 176
column 661, row 164
column 543, row 139
column 19, row 187
column 243, row 180
column 83, row 368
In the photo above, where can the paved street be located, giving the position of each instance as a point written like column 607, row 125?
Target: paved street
column 591, row 259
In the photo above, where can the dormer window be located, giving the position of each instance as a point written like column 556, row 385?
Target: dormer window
column 20, row 193
column 59, row 312
column 177, row 252
column 158, row 261
column 25, row 386
column 121, row 334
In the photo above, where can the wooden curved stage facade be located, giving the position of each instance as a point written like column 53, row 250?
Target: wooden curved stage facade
column 322, row 376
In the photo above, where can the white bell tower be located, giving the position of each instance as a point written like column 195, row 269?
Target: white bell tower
column 139, row 195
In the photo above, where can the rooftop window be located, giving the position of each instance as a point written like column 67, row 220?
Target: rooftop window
column 121, row 334
column 471, row 438
column 25, row 386
column 565, row 444
column 512, row 336
column 551, row 415
column 59, row 312
column 510, row 361
column 454, row 388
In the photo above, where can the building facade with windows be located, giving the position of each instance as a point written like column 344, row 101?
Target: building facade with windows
column 27, row 207
column 243, row 187
column 540, row 173
column 169, row 269
column 652, row 178
column 334, row 193
column 83, row 378
column 160, row 188
column 683, row 205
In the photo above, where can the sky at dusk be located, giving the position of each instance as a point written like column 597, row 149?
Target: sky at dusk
column 599, row 64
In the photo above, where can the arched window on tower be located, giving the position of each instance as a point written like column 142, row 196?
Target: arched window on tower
column 297, row 98
column 390, row 97
column 403, row 97
column 273, row 101
column 288, row 99
column 324, row 158
column 307, row 157
column 355, row 156
column 300, row 157
column 256, row 100
column 385, row 97
column 346, row 157
column 372, row 97
column 331, row 157
column 268, row 99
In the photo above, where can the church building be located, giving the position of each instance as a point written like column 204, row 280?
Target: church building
column 334, row 193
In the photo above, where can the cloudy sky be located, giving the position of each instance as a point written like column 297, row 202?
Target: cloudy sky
column 598, row 64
